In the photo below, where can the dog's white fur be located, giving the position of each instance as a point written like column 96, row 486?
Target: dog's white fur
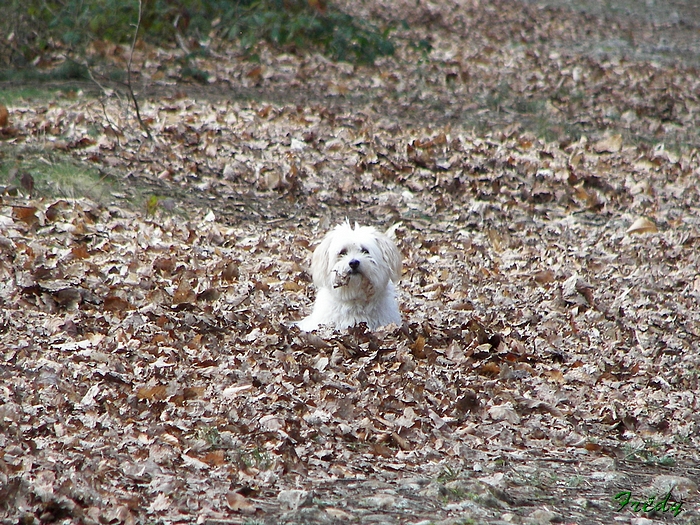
column 354, row 270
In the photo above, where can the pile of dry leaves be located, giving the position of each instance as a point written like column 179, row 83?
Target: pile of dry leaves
column 548, row 360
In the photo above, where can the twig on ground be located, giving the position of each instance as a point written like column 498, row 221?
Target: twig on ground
column 107, row 92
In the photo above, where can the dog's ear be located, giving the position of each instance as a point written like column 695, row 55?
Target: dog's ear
column 391, row 255
column 321, row 263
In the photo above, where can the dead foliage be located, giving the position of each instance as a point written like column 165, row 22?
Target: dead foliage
column 150, row 370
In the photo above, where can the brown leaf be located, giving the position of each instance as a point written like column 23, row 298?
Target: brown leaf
column 153, row 392
column 164, row 264
column 214, row 458
column 402, row 443
column 68, row 297
column 195, row 342
column 610, row 144
column 209, row 295
column 291, row 286
column 184, row 293
column 239, row 503
column 53, row 212
column 313, row 340
column 255, row 73
column 555, row 375
column 80, row 252
column 490, row 370
column 83, row 142
column 193, row 392
column 380, row 449
column 418, row 347
column 543, row 276
column 468, row 402
column 231, row 271
column 114, row 303
column 26, row 214
column 4, row 116
column 27, row 182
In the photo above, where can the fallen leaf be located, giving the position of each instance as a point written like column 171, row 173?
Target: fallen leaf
column 184, row 293
column 160, row 503
column 164, row 264
column 80, row 252
column 239, row 503
column 379, row 449
column 154, row 392
column 642, row 225
column 577, row 291
column 4, row 116
column 609, row 144
column 231, row 271
column 214, row 458
column 193, row 462
column 504, row 412
column 489, row 369
column 114, row 303
column 543, row 276
column 26, row 214
column 27, row 181
column 209, row 295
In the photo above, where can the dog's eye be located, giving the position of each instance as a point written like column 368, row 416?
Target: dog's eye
column 364, row 250
column 343, row 252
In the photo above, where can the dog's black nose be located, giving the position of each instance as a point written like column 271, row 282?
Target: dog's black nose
column 354, row 264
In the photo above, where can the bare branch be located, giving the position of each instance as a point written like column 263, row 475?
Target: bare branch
column 128, row 75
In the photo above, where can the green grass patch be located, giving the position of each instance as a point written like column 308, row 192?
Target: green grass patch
column 448, row 474
column 41, row 173
column 210, row 435
column 256, row 458
column 22, row 94
column 650, row 453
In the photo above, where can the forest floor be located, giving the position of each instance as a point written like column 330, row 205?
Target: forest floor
column 540, row 169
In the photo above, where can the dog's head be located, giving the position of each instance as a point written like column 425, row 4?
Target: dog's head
column 355, row 262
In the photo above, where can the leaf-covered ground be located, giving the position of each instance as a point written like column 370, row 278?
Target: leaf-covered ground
column 549, row 357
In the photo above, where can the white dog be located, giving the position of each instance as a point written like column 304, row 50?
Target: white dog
column 354, row 271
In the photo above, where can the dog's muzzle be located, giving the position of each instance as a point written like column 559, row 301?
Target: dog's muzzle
column 343, row 278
